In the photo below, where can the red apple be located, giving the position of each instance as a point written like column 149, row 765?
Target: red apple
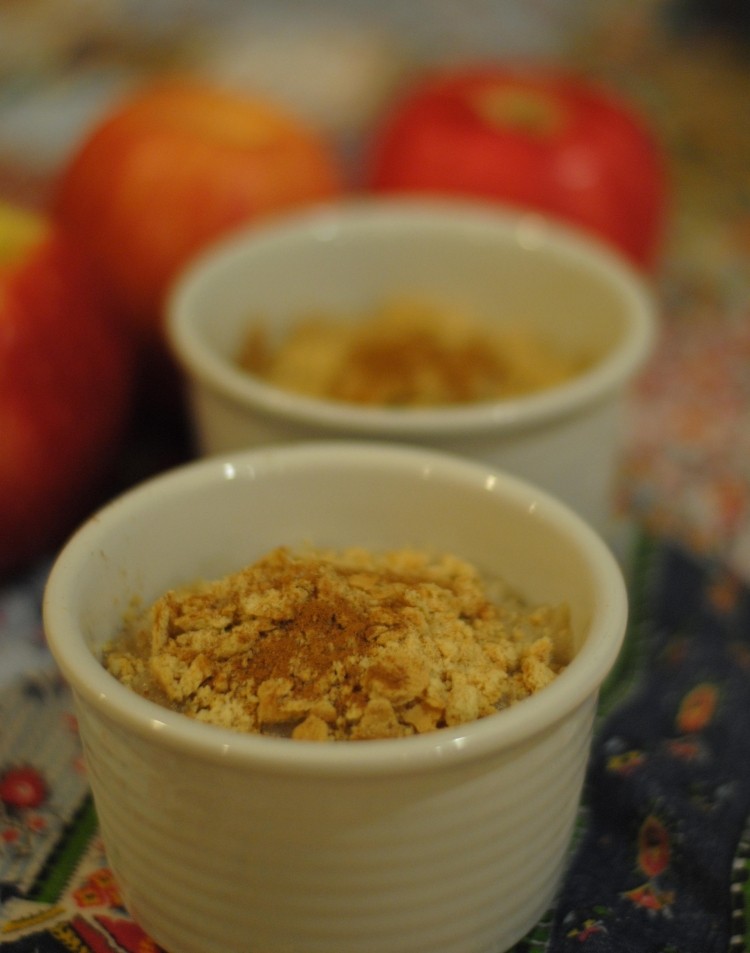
column 65, row 373
column 531, row 137
column 173, row 168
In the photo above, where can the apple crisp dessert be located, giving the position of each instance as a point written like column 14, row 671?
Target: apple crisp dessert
column 407, row 353
column 320, row 644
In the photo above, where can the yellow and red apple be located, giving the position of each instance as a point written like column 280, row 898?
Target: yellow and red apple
column 65, row 380
column 174, row 167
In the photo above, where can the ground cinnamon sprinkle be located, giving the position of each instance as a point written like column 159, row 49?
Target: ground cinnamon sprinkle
column 321, row 644
column 407, row 353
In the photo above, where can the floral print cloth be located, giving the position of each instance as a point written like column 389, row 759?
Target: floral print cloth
column 661, row 857
column 662, row 865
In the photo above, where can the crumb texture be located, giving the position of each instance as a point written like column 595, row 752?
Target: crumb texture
column 320, row 645
column 407, row 353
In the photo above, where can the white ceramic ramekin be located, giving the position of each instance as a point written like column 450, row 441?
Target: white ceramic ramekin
column 449, row 842
column 497, row 265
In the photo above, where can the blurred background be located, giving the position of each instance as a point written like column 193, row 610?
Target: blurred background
column 338, row 63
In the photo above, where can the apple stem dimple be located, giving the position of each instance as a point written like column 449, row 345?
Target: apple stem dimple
column 519, row 108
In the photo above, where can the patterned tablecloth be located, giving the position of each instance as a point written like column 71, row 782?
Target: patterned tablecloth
column 661, row 857
column 661, row 860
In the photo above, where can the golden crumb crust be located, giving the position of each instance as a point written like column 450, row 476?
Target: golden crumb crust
column 349, row 644
column 407, row 353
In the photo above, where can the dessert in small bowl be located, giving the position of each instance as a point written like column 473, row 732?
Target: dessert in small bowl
column 494, row 334
column 447, row 834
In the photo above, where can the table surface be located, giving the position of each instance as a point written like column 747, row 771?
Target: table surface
column 660, row 859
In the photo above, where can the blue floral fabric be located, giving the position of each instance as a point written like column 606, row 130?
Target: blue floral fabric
column 662, row 864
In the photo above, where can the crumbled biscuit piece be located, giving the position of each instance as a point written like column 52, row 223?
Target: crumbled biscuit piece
column 318, row 645
column 408, row 353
